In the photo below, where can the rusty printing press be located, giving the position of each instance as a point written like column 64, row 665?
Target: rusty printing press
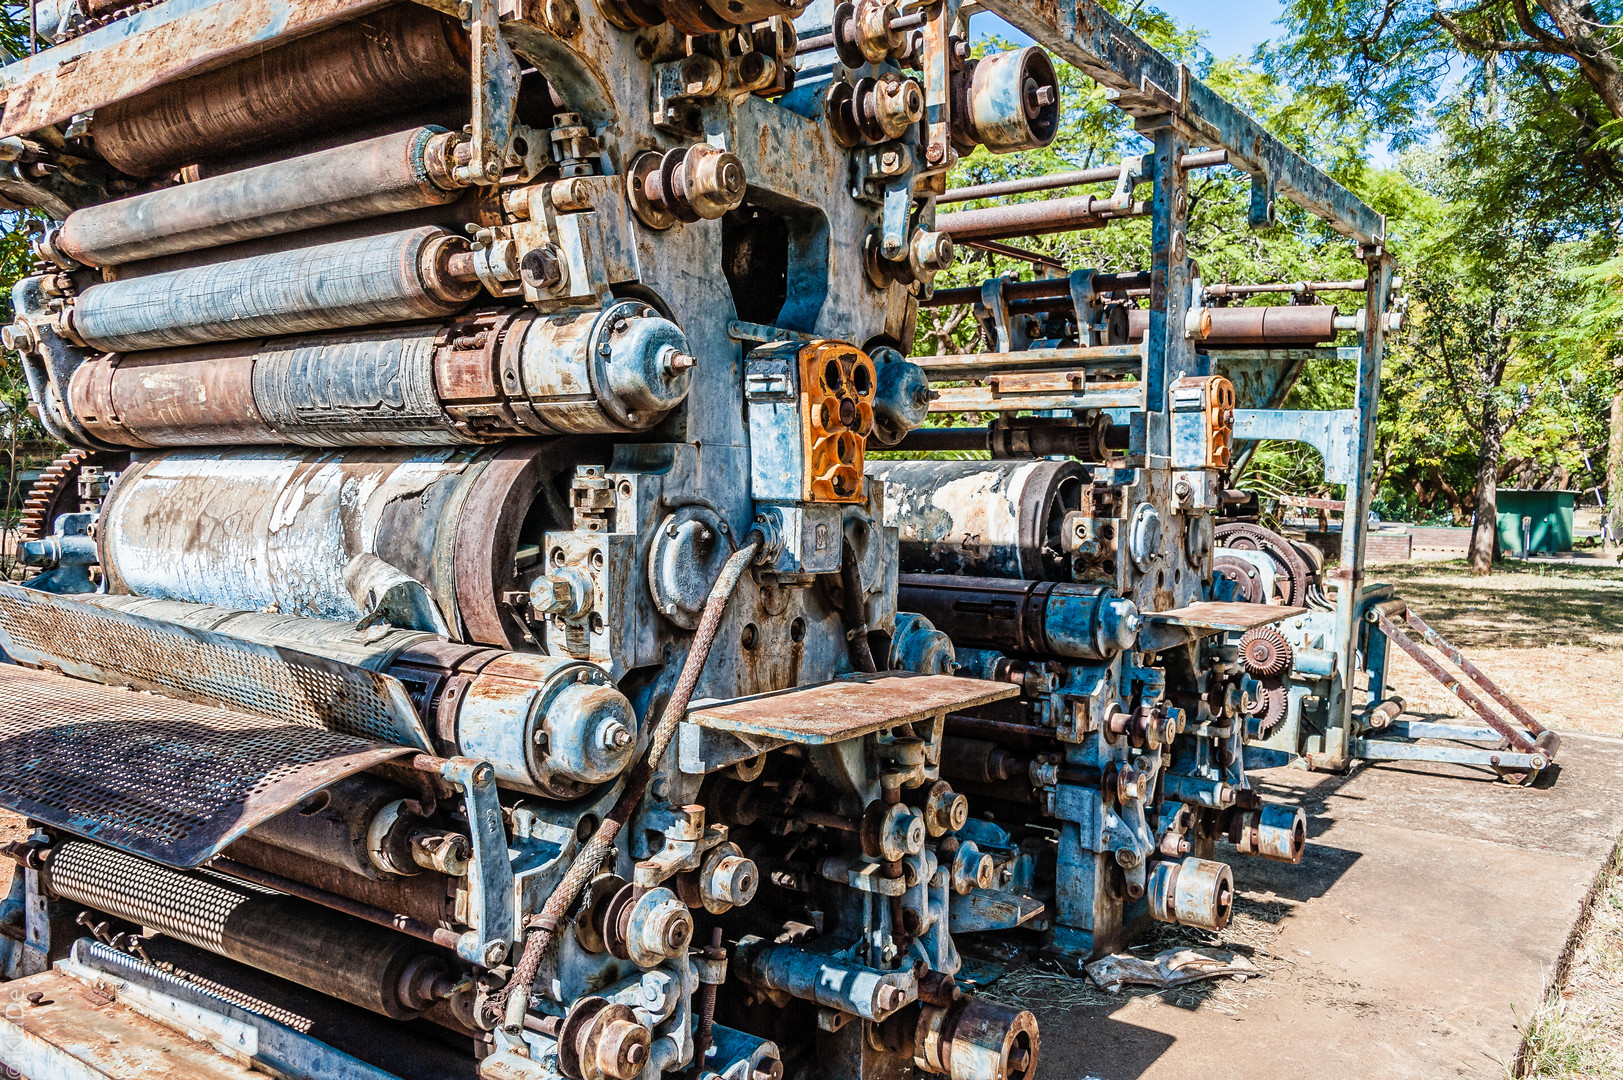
column 475, row 632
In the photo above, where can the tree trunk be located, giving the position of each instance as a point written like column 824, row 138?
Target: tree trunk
column 1614, row 469
column 1486, row 525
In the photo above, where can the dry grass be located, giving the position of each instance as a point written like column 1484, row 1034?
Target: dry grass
column 1577, row 1033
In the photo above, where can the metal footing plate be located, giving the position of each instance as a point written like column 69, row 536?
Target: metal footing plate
column 1212, row 615
column 170, row 780
column 848, row 708
column 123, row 649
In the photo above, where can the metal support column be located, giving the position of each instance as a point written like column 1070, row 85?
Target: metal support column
column 1355, row 519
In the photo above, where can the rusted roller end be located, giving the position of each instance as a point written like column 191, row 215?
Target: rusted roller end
column 976, row 1039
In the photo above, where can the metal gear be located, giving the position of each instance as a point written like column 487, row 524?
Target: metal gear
column 1247, row 588
column 56, row 491
column 51, row 494
column 1265, row 712
column 1264, row 652
column 1245, row 536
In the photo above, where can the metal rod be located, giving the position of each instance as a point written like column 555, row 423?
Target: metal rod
column 1297, row 287
column 1037, row 218
column 825, row 41
column 979, row 365
column 1476, row 674
column 1035, row 258
column 1075, row 178
column 1519, row 739
column 1054, row 288
column 406, row 925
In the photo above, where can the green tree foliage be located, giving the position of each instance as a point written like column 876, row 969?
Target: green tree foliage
column 1503, row 211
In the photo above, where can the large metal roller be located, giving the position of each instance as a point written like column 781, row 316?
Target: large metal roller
column 306, row 532
column 1027, row 618
column 395, row 277
column 404, row 171
column 981, row 518
column 362, row 69
column 491, row 376
column 354, row 961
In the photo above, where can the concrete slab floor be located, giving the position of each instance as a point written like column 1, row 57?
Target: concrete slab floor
column 1419, row 933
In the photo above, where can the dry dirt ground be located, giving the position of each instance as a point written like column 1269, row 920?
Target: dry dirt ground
column 1550, row 635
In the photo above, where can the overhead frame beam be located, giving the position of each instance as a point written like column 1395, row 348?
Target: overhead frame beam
column 1148, row 83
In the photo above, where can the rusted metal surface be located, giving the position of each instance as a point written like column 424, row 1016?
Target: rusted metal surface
column 202, row 396
column 1224, row 616
column 1514, row 736
column 151, row 48
column 369, row 65
column 169, row 780
column 1476, row 674
column 104, row 1039
column 204, row 667
column 848, row 708
column 253, row 529
column 487, row 539
column 1249, row 327
column 336, row 953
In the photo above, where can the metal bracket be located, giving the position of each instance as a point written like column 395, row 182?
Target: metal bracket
column 495, row 95
column 1333, row 434
column 490, row 871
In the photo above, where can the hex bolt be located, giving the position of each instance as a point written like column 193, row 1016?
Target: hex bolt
column 542, row 268
column 613, row 736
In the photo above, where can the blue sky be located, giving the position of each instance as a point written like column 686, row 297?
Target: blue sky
column 1232, row 26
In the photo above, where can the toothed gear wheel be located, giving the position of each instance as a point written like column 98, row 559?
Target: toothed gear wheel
column 56, row 492
column 1264, row 652
column 1266, row 711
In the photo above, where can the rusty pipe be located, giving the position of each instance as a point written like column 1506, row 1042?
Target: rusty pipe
column 1038, row 218
column 334, row 952
column 1242, row 327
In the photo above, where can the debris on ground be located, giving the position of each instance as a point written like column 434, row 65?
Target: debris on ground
column 1173, row 967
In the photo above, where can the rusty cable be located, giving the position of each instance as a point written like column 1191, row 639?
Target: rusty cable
column 543, row 926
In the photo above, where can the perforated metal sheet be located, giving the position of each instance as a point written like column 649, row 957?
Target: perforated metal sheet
column 203, row 666
column 170, row 780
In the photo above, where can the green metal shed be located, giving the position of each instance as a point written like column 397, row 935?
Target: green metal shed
column 1551, row 514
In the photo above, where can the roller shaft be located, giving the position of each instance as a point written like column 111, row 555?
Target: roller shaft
column 385, row 175
column 395, row 277
column 334, row 953
column 483, row 377
column 362, row 69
